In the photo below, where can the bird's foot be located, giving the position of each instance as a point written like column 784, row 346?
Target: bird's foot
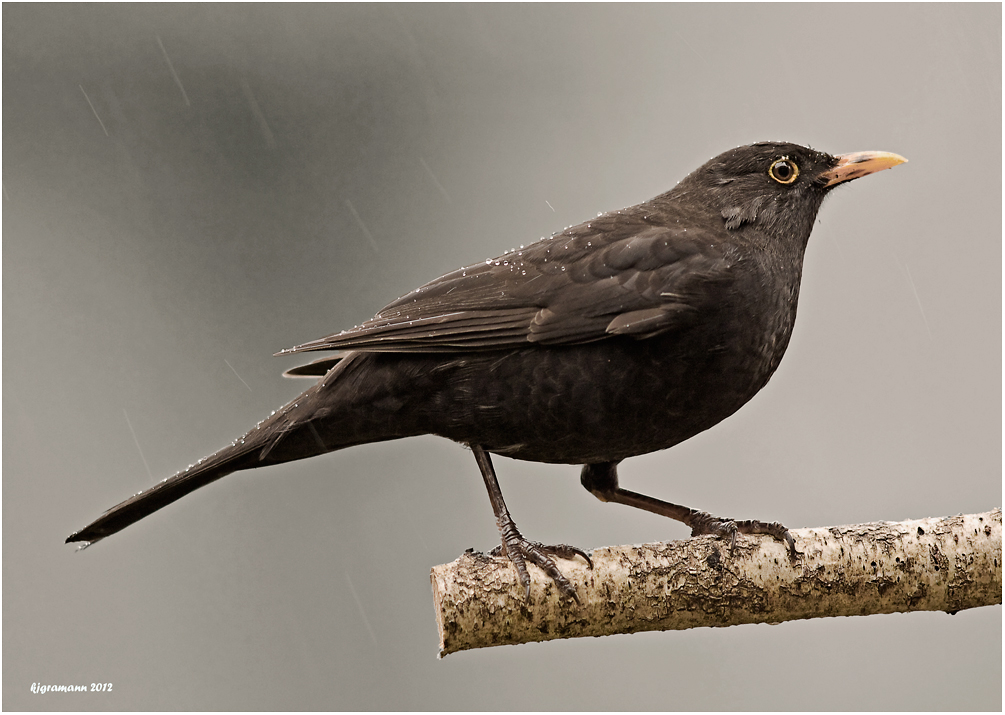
column 519, row 550
column 701, row 523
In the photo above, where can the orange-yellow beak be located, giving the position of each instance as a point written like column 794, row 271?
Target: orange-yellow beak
column 859, row 164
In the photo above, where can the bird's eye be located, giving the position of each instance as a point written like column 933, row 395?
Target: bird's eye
column 784, row 171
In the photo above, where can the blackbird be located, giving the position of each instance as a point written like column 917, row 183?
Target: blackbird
column 623, row 335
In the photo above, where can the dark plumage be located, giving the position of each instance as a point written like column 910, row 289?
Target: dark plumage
column 620, row 336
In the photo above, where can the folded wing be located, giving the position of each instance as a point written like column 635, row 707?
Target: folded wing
column 613, row 276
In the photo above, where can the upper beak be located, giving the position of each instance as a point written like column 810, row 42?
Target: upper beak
column 859, row 164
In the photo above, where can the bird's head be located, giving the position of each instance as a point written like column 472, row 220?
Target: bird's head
column 775, row 188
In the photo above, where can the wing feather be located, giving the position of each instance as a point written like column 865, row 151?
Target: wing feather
column 618, row 275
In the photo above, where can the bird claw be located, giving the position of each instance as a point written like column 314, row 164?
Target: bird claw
column 703, row 523
column 520, row 550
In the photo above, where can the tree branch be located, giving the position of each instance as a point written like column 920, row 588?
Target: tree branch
column 946, row 564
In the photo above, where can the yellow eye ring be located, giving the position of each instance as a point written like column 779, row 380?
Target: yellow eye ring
column 784, row 171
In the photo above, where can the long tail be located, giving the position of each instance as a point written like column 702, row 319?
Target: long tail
column 160, row 495
column 288, row 434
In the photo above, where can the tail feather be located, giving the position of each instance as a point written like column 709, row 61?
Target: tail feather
column 287, row 434
column 160, row 495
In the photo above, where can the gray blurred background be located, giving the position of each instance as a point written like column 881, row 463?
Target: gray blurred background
column 188, row 189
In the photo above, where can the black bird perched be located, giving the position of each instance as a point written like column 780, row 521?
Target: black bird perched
column 623, row 335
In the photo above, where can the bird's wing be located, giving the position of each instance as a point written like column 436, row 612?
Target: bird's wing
column 613, row 276
column 315, row 368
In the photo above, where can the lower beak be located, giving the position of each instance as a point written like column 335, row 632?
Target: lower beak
column 859, row 164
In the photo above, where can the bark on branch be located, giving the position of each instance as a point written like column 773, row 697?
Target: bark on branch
column 938, row 564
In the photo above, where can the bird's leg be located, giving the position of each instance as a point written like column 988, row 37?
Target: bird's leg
column 601, row 480
column 514, row 546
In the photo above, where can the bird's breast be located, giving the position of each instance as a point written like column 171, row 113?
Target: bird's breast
column 604, row 401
